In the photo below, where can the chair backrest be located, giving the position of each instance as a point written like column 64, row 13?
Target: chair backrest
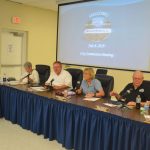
column 107, row 83
column 147, row 84
column 44, row 73
column 101, row 71
column 77, row 76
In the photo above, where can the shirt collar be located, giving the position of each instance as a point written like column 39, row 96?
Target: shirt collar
column 137, row 87
column 59, row 74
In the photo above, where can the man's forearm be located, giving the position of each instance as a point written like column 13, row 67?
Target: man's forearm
column 118, row 96
column 60, row 87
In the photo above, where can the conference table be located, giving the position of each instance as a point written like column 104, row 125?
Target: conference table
column 75, row 123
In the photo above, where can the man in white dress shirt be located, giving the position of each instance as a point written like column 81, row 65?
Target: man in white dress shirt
column 60, row 77
column 31, row 75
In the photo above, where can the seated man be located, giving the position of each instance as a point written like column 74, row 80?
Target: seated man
column 132, row 90
column 31, row 75
column 59, row 78
column 90, row 86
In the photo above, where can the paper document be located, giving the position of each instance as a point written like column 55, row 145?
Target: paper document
column 113, row 98
column 14, row 82
column 147, row 118
column 110, row 105
column 93, row 99
column 39, row 89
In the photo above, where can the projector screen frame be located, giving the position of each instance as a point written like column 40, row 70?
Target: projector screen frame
column 82, row 65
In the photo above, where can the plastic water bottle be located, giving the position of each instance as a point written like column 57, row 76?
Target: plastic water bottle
column 138, row 102
column 146, row 108
column 4, row 78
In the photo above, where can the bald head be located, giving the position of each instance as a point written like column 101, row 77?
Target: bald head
column 138, row 78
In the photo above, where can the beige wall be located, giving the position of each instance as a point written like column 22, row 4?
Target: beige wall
column 41, row 26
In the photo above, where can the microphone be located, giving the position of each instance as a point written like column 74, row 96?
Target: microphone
column 50, row 87
column 77, row 86
column 126, row 93
column 25, row 76
column 122, row 98
column 51, row 82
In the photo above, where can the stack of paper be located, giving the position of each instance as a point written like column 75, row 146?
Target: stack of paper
column 93, row 99
column 110, row 105
column 39, row 89
column 147, row 118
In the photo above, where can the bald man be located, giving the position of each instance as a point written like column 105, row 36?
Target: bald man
column 132, row 90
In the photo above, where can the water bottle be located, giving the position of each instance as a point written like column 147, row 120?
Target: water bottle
column 138, row 102
column 4, row 78
column 146, row 108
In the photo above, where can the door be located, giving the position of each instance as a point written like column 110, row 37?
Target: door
column 13, row 53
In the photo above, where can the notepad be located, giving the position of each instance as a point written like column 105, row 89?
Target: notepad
column 93, row 99
column 110, row 105
column 14, row 82
column 38, row 89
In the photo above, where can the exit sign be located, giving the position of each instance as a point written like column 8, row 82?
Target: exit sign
column 16, row 20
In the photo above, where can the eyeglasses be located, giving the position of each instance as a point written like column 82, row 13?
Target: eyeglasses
column 138, row 78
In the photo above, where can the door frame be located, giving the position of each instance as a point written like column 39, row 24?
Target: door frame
column 24, row 52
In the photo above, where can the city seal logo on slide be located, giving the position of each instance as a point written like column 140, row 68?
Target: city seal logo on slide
column 98, row 27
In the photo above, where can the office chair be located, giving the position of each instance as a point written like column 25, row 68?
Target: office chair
column 77, row 77
column 101, row 71
column 44, row 73
column 147, row 84
column 107, row 83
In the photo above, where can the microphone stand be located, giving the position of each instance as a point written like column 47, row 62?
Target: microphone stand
column 123, row 102
column 123, row 105
column 50, row 88
column 28, row 79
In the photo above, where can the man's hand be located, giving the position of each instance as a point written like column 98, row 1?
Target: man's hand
column 79, row 91
column 30, row 80
column 20, row 80
column 113, row 93
column 131, row 103
column 55, row 87
column 60, row 87
column 47, row 84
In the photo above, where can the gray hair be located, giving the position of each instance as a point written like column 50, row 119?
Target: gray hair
column 28, row 64
column 138, row 73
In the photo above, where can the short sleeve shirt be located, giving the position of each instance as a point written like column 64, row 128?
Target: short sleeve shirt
column 129, row 93
column 34, row 76
column 94, row 87
column 64, row 78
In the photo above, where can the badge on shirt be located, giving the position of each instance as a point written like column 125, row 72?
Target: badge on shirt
column 141, row 90
column 129, row 91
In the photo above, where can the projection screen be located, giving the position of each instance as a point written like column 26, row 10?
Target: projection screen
column 108, row 33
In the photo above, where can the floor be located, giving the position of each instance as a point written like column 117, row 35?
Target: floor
column 13, row 137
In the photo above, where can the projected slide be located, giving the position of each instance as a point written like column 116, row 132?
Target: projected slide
column 111, row 34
